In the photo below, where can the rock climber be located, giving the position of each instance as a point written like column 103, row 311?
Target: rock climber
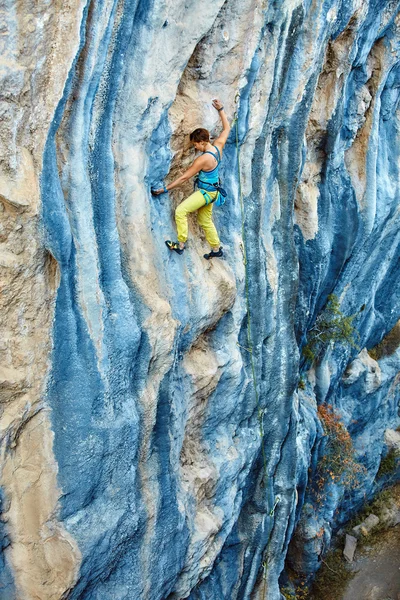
column 206, row 169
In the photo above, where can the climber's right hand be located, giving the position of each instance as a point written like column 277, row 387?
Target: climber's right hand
column 158, row 192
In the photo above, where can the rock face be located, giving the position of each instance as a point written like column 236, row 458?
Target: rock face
column 137, row 460
column 350, row 548
column 365, row 527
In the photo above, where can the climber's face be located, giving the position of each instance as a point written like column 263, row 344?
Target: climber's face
column 201, row 146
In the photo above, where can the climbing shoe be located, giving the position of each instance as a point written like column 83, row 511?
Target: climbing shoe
column 213, row 254
column 174, row 246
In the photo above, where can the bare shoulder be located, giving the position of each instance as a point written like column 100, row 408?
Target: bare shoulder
column 200, row 160
column 219, row 144
column 197, row 165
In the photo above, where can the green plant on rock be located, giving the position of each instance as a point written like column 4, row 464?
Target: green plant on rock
column 332, row 577
column 302, row 592
column 288, row 593
column 299, row 591
column 331, row 325
column 388, row 345
column 389, row 463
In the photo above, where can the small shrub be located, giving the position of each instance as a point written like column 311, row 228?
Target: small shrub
column 332, row 577
column 288, row 594
column 388, row 345
column 389, row 463
column 308, row 353
column 300, row 591
column 302, row 384
column 338, row 463
column 330, row 326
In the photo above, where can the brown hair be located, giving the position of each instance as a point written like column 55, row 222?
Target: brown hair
column 200, row 135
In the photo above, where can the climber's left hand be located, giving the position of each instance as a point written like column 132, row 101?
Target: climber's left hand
column 217, row 104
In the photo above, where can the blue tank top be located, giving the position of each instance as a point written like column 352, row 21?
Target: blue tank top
column 205, row 178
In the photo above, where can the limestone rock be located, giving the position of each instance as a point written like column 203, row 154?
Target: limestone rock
column 350, row 548
column 392, row 439
column 390, row 515
column 366, row 526
column 149, row 401
column 364, row 366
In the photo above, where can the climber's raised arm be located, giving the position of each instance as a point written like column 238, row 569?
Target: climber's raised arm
column 221, row 139
column 196, row 167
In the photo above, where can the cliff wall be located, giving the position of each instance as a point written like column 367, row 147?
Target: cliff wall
column 138, row 460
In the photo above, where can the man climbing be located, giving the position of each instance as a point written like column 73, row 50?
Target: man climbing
column 206, row 167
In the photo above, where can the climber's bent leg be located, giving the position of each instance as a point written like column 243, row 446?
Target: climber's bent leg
column 194, row 202
column 204, row 218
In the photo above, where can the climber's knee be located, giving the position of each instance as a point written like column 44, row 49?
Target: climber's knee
column 180, row 212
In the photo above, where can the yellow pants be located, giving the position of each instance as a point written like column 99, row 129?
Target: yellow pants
column 204, row 217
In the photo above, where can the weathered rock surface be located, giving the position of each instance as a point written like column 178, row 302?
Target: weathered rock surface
column 364, row 528
column 132, row 461
column 392, row 440
column 350, row 547
column 390, row 516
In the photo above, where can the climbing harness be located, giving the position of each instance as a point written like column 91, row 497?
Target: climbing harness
column 208, row 181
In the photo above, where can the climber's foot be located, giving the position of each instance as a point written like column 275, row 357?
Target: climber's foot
column 175, row 246
column 214, row 254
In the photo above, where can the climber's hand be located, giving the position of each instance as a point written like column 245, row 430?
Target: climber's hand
column 217, row 104
column 157, row 192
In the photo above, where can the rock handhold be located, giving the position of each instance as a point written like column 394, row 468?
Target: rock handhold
column 350, row 548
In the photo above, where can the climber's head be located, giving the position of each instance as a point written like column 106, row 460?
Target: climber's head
column 200, row 138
